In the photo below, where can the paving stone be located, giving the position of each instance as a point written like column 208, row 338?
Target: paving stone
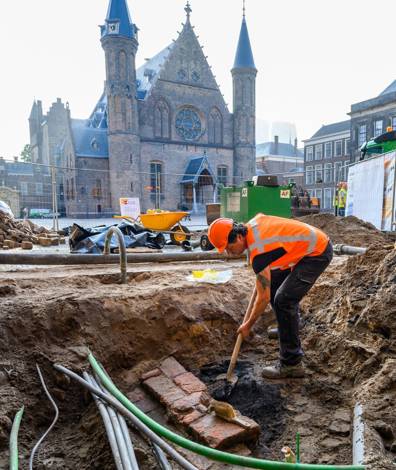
column 171, row 368
column 189, row 383
column 218, row 433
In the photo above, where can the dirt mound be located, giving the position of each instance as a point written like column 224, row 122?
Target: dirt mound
column 351, row 333
column 347, row 230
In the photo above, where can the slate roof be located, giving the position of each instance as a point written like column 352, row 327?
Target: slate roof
column 118, row 12
column 390, row 89
column 332, row 129
column 89, row 141
column 284, row 150
column 147, row 74
column 244, row 55
column 195, row 168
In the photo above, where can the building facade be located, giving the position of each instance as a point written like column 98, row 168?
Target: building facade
column 151, row 126
column 372, row 117
column 31, row 184
column 285, row 161
column 326, row 160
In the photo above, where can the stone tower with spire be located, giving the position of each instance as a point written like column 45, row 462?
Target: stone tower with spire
column 120, row 44
column 244, row 100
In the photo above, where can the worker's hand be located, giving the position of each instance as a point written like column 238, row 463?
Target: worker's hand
column 244, row 329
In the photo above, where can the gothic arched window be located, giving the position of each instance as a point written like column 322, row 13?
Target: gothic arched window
column 215, row 127
column 162, row 120
column 123, row 66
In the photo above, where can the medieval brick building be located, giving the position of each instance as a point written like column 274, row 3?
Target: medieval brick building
column 162, row 132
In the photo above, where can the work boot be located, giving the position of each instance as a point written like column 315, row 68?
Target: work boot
column 281, row 371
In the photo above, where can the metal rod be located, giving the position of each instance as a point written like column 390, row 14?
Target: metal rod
column 108, row 425
column 121, row 242
column 358, row 436
column 42, row 259
column 35, row 448
column 340, row 249
column 131, row 417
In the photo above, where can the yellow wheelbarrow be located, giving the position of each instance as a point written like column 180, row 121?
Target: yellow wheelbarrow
column 164, row 222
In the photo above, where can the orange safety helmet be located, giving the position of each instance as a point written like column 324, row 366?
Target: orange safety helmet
column 218, row 233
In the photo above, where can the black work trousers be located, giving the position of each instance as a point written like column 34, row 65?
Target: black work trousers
column 288, row 287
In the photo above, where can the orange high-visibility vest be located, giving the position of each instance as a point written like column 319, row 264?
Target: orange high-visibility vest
column 268, row 232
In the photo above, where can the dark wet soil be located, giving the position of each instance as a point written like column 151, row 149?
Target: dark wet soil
column 253, row 397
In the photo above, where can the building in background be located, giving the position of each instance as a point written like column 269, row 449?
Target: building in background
column 152, row 126
column 285, row 161
column 372, row 117
column 326, row 160
column 31, row 185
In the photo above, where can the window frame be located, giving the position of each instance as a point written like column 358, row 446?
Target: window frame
column 375, row 134
column 327, row 199
column 328, row 171
column 309, row 170
column 309, row 151
column 347, row 147
column 318, row 168
column 360, row 133
column 317, row 147
column 330, row 154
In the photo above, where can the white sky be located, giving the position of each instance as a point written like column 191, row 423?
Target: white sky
column 314, row 57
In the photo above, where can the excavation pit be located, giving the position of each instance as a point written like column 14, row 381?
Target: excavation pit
column 53, row 316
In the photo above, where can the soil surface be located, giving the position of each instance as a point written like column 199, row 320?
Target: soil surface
column 349, row 331
column 347, row 230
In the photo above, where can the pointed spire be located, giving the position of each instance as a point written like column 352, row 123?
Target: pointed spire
column 244, row 55
column 118, row 20
column 188, row 11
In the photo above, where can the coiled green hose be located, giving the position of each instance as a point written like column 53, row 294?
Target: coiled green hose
column 14, row 440
column 208, row 452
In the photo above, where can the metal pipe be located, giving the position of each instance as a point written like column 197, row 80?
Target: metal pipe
column 340, row 249
column 31, row 460
column 71, row 259
column 108, row 426
column 184, row 463
column 358, row 436
column 161, row 458
column 14, row 440
column 124, row 429
column 121, row 242
column 200, row 449
column 128, row 442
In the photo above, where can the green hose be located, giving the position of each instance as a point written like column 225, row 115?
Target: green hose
column 208, row 452
column 14, row 440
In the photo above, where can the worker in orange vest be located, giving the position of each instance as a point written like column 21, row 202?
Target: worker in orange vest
column 287, row 256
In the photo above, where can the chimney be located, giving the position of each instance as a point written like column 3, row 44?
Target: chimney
column 295, row 146
column 276, row 150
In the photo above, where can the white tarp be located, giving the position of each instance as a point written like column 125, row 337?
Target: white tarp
column 365, row 195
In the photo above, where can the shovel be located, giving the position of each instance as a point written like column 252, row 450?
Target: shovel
column 229, row 377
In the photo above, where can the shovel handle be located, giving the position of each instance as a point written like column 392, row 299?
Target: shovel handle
column 239, row 340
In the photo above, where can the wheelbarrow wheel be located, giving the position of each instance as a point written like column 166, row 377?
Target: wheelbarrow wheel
column 178, row 238
column 205, row 244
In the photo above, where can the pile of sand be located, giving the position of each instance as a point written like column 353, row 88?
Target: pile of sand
column 351, row 334
column 347, row 230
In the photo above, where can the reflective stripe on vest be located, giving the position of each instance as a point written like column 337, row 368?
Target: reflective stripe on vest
column 260, row 244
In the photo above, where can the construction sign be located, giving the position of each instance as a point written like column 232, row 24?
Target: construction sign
column 130, row 207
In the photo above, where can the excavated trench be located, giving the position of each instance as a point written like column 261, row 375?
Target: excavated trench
column 50, row 318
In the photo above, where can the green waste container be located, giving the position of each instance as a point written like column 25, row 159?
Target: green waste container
column 243, row 203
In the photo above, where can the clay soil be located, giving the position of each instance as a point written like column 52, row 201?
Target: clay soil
column 349, row 326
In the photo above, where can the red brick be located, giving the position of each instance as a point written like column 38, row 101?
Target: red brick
column 218, row 433
column 164, row 389
column 150, row 373
column 191, row 402
column 191, row 417
column 171, row 368
column 189, row 383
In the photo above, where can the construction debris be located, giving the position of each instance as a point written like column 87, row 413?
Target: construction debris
column 16, row 234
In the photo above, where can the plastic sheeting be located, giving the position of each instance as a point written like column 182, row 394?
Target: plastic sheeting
column 92, row 240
